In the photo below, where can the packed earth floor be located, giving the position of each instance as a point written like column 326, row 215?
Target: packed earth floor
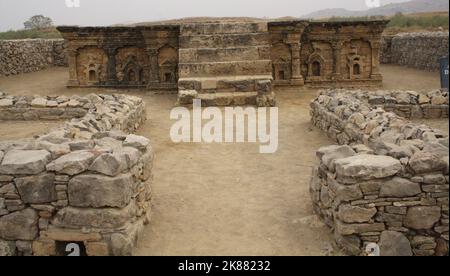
column 225, row 199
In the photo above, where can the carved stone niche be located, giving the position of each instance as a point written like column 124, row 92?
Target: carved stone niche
column 91, row 66
column 132, row 72
column 316, row 65
column 355, row 64
column 132, row 66
column 281, row 63
column 168, row 64
column 92, row 71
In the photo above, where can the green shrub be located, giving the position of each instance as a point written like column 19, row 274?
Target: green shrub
column 35, row 33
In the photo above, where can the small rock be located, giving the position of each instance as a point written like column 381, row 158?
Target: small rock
column 6, row 103
column 394, row 244
column 355, row 214
column 21, row 225
column 73, row 163
column 39, row 102
column 135, row 141
column 438, row 100
column 37, row 189
column 399, row 187
column 423, row 99
column 7, row 248
column 422, row 217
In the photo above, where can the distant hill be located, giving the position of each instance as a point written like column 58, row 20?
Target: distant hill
column 415, row 6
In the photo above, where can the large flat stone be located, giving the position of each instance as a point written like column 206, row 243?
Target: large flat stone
column 73, row 163
column 100, row 191
column 399, row 187
column 21, row 225
column 366, row 167
column 394, row 244
column 422, row 217
column 37, row 189
column 105, row 218
column 110, row 164
column 24, row 162
column 425, row 162
column 350, row 229
column 356, row 214
column 136, row 141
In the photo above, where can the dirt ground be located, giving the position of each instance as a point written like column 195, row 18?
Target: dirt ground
column 227, row 199
column 11, row 130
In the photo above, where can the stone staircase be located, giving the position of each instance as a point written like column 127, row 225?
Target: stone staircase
column 225, row 64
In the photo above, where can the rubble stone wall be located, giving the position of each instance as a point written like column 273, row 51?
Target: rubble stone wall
column 386, row 185
column 85, row 182
column 415, row 50
column 30, row 55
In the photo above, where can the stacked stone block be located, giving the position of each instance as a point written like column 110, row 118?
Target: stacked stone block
column 30, row 55
column 225, row 64
column 386, row 183
column 415, row 50
column 86, row 182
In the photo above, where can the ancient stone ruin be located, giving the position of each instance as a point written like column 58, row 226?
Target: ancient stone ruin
column 226, row 63
column 388, row 180
column 86, row 182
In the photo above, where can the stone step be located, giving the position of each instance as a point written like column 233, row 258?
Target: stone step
column 222, row 83
column 193, row 55
column 223, row 28
column 224, row 40
column 221, row 99
column 230, row 68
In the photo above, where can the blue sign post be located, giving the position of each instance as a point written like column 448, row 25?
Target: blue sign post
column 444, row 72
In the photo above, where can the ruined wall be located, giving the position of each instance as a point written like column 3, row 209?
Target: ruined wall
column 85, row 182
column 136, row 57
column 415, row 50
column 30, row 55
column 388, row 182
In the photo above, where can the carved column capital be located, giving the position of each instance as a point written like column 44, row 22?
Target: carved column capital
column 337, row 44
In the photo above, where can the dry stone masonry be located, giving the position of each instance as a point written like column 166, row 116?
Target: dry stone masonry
column 85, row 182
column 386, row 183
column 415, row 50
column 30, row 55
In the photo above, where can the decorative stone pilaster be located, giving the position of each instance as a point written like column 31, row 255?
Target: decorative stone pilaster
column 154, row 68
column 375, row 45
column 294, row 41
column 72, row 60
column 111, row 75
column 337, row 65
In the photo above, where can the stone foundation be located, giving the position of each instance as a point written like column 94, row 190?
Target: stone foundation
column 386, row 184
column 415, row 50
column 30, row 55
column 86, row 182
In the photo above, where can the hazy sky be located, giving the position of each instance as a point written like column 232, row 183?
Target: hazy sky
column 106, row 12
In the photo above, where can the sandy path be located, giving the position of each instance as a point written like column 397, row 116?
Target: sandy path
column 227, row 199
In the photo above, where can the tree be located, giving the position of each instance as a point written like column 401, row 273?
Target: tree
column 38, row 22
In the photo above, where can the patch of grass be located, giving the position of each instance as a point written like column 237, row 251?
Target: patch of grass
column 417, row 21
column 49, row 33
column 401, row 23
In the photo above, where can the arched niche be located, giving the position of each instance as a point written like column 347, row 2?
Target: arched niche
column 168, row 64
column 281, row 62
column 316, row 64
column 91, row 65
column 355, row 66
column 132, row 66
